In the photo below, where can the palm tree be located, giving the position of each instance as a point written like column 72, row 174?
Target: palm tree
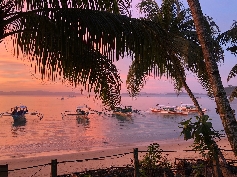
column 177, row 21
column 187, row 53
column 56, row 37
column 78, row 44
column 223, row 107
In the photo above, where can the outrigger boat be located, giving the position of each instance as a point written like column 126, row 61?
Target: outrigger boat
column 173, row 110
column 123, row 111
column 81, row 112
column 189, row 108
column 162, row 109
column 18, row 113
column 158, row 108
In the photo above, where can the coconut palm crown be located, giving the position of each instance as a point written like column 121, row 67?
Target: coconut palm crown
column 181, row 52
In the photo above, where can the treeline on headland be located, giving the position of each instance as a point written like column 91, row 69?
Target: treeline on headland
column 38, row 92
column 228, row 90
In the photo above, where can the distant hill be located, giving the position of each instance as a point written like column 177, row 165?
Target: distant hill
column 38, row 92
column 229, row 90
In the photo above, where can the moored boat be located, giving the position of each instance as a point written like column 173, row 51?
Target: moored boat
column 189, row 108
column 158, row 108
column 173, row 110
column 123, row 111
column 81, row 112
column 18, row 113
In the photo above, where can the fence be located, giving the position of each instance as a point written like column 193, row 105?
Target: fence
column 4, row 171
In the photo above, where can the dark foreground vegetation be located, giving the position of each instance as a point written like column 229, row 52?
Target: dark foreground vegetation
column 182, row 168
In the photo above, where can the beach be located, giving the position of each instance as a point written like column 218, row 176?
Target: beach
column 103, row 158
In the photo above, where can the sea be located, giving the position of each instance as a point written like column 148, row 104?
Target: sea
column 55, row 134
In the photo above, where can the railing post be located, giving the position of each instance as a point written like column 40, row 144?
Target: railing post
column 4, row 170
column 54, row 168
column 136, row 162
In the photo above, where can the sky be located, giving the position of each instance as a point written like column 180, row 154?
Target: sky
column 17, row 75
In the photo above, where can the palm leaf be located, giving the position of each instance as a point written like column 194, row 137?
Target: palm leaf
column 71, row 43
column 230, row 36
column 113, row 6
column 232, row 73
column 182, row 42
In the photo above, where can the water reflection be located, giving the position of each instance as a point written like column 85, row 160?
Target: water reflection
column 85, row 121
column 122, row 118
column 172, row 116
column 18, row 127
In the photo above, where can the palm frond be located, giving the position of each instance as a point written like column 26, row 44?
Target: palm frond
column 113, row 6
column 230, row 36
column 232, row 73
column 183, row 40
column 69, row 43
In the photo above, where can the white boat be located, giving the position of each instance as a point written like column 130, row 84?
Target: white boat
column 123, row 111
column 158, row 108
column 189, row 108
column 173, row 110
column 18, row 113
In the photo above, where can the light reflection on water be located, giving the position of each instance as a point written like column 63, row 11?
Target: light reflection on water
column 71, row 133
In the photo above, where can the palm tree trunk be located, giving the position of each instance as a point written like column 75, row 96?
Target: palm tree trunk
column 223, row 106
column 179, row 69
column 216, row 164
column 191, row 95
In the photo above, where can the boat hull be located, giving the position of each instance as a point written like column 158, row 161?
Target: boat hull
column 123, row 113
column 175, row 112
column 19, row 118
column 155, row 110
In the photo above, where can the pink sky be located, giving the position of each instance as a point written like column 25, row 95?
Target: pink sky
column 16, row 74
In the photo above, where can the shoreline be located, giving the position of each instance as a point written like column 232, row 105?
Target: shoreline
column 86, row 149
column 103, row 158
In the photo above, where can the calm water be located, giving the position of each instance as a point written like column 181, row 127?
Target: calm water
column 53, row 134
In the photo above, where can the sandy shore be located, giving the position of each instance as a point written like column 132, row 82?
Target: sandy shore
column 121, row 156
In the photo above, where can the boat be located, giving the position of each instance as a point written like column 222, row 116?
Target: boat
column 189, row 108
column 123, row 111
column 173, row 110
column 158, row 108
column 81, row 111
column 18, row 113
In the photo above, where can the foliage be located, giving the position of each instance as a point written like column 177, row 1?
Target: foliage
column 106, row 172
column 154, row 162
column 230, row 36
column 63, row 39
column 203, row 134
column 181, row 53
